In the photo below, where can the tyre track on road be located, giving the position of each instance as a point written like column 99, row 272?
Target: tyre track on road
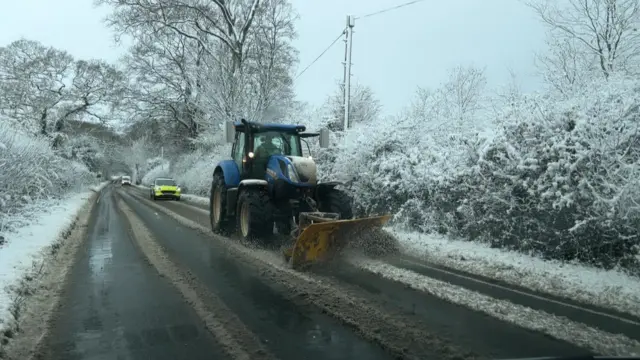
column 400, row 334
column 238, row 342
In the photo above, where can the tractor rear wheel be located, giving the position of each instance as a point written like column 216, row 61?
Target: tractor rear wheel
column 336, row 201
column 220, row 223
column 254, row 218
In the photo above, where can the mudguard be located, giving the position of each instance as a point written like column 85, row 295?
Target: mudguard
column 230, row 172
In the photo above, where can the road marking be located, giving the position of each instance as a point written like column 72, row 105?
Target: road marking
column 99, row 197
column 628, row 321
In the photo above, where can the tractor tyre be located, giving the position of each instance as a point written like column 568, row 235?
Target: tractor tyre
column 336, row 201
column 254, row 218
column 220, row 223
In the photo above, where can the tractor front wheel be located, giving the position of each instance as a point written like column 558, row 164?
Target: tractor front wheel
column 336, row 201
column 220, row 224
column 254, row 216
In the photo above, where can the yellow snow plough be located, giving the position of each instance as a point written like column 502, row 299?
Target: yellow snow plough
column 269, row 181
column 321, row 235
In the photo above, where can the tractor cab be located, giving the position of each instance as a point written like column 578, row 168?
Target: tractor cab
column 255, row 144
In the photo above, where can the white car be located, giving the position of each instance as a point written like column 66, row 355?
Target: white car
column 126, row 180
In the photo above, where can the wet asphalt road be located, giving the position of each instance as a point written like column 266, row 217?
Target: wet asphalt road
column 269, row 315
column 117, row 306
column 468, row 329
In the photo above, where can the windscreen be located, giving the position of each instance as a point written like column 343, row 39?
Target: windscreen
column 278, row 143
column 165, row 182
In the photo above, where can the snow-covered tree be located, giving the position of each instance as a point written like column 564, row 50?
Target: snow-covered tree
column 602, row 30
column 43, row 88
column 364, row 107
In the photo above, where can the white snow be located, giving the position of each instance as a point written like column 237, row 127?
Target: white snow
column 607, row 288
column 195, row 199
column 555, row 326
column 39, row 229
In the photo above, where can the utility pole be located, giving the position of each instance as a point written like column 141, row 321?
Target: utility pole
column 347, row 76
column 344, row 63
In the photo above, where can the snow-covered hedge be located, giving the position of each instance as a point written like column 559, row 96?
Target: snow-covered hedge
column 30, row 171
column 558, row 178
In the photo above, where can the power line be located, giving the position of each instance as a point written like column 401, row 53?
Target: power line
column 321, row 54
column 389, row 9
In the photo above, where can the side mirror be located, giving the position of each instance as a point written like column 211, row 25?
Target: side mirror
column 229, row 131
column 324, row 138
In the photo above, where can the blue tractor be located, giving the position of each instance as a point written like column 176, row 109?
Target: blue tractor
column 268, row 183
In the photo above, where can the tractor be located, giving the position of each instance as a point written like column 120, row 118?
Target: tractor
column 269, row 187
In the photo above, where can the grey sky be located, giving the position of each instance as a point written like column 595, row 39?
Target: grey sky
column 394, row 52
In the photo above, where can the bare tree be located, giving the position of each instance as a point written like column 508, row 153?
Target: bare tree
column 606, row 29
column 463, row 91
column 271, row 57
column 201, row 20
column 364, row 107
column 198, row 62
column 165, row 83
column 566, row 65
column 44, row 87
column 138, row 153
column 32, row 82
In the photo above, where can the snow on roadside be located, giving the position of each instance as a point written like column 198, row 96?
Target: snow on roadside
column 558, row 327
column 195, row 199
column 25, row 244
column 606, row 288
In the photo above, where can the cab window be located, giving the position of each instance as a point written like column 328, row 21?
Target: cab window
column 238, row 149
column 287, row 144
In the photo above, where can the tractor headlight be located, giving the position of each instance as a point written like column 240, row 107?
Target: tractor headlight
column 251, row 155
column 293, row 175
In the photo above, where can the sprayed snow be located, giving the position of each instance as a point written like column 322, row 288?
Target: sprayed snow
column 24, row 245
column 607, row 288
column 555, row 326
column 195, row 199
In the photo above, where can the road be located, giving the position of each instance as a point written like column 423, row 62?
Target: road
column 151, row 282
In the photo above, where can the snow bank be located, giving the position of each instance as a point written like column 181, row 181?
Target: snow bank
column 558, row 327
column 607, row 288
column 41, row 227
column 195, row 199
column 31, row 171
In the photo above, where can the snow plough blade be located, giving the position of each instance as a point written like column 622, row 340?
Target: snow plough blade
column 321, row 236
